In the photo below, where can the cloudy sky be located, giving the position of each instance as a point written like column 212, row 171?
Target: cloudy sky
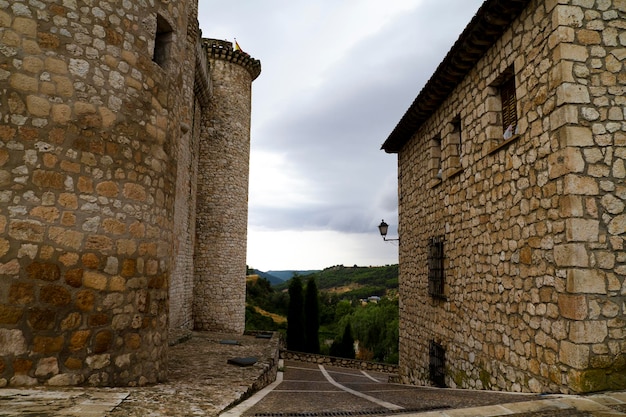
column 337, row 76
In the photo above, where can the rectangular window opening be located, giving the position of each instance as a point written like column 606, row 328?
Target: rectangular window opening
column 162, row 41
column 509, row 103
column 437, row 364
column 456, row 129
column 435, row 267
column 436, row 153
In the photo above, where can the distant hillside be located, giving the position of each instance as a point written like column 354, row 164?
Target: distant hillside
column 273, row 279
column 287, row 275
column 357, row 281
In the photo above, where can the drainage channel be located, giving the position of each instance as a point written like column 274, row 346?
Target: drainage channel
column 378, row 412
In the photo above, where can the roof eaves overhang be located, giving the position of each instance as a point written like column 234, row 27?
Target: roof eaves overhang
column 486, row 27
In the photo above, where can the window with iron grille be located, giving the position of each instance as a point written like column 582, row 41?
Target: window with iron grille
column 437, row 364
column 509, row 103
column 435, row 266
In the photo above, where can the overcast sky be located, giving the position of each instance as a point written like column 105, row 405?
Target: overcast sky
column 337, row 76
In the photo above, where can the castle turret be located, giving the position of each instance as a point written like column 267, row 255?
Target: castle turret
column 222, row 201
column 87, row 181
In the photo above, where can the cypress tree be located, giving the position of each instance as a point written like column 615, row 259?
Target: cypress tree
column 295, row 317
column 312, row 317
column 347, row 343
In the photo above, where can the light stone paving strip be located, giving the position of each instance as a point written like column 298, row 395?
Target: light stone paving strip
column 76, row 402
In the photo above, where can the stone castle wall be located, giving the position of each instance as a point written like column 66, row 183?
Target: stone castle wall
column 102, row 112
column 222, row 213
column 535, row 263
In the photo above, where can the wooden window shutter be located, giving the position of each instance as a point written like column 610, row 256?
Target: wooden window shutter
column 509, row 104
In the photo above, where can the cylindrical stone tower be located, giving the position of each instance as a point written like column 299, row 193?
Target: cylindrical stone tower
column 87, row 172
column 222, row 201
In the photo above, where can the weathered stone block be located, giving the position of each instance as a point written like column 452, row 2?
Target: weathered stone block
column 135, row 192
column 21, row 293
column 26, row 230
column 85, row 300
column 25, row 26
column 38, row 106
column 78, row 340
column 102, row 341
column 22, row 365
column 47, row 367
column 573, row 306
column 588, row 331
column 41, row 318
column 107, row 189
column 48, row 345
column 12, row 342
column 566, row 161
column 573, row 254
column 43, row 271
column 10, row 314
column 24, row 83
column 574, row 355
column 94, row 280
column 55, row 295
column 74, row 278
column 98, row 319
column 582, row 230
column 98, row 361
column 568, row 93
column 48, row 179
column 586, row 281
column 66, row 237
column 132, row 340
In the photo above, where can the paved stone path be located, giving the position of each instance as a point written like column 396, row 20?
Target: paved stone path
column 202, row 383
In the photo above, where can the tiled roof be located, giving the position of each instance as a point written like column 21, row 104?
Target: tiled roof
column 487, row 26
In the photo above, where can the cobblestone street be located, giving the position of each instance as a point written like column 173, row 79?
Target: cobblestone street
column 203, row 383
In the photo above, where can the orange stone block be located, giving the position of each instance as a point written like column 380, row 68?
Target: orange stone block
column 99, row 319
column 78, row 340
column 43, row 271
column 22, row 366
column 55, row 295
column 74, row 278
column 103, row 341
column 47, row 345
column 41, row 319
column 85, row 185
column 73, row 363
column 21, row 293
column 48, row 179
column 91, row 260
column 10, row 314
column 132, row 341
column 107, row 189
column 85, row 300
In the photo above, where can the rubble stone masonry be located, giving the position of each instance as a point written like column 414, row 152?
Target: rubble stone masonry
column 102, row 110
column 534, row 226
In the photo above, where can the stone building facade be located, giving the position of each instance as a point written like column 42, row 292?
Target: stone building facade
column 124, row 148
column 512, row 188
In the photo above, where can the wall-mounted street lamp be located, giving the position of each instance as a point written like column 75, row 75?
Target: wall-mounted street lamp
column 383, row 228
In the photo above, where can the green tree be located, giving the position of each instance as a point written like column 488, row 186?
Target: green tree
column 344, row 348
column 376, row 328
column 312, row 317
column 295, row 317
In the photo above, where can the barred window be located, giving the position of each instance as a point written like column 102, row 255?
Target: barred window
column 437, row 364
column 509, row 103
column 435, row 267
